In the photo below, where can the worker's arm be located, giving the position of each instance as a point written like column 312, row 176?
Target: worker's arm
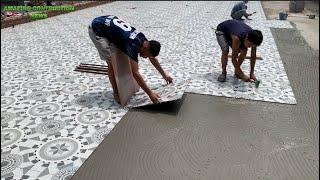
column 235, row 48
column 247, row 16
column 157, row 65
column 137, row 76
column 236, row 64
column 253, row 62
column 242, row 56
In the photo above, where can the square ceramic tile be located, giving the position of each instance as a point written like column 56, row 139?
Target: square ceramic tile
column 167, row 93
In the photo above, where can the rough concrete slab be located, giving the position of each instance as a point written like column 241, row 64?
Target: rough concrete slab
column 222, row 138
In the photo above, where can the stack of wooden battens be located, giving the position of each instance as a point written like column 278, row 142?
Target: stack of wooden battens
column 92, row 68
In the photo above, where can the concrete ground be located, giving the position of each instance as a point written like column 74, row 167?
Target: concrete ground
column 309, row 28
column 208, row 137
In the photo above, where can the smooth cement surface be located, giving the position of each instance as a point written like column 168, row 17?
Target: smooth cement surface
column 208, row 137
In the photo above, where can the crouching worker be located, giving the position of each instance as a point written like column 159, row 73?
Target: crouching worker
column 239, row 10
column 239, row 36
column 109, row 33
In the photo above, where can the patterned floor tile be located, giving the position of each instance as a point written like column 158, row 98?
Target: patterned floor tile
column 167, row 93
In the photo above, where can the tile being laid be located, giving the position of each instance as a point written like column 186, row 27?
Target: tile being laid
column 170, row 92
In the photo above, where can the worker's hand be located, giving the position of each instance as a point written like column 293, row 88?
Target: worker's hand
column 242, row 76
column 155, row 98
column 245, row 78
column 252, row 77
column 250, row 14
column 168, row 79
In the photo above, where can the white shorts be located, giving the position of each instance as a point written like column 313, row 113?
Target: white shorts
column 105, row 48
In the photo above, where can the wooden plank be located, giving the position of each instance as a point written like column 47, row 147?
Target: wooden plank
column 126, row 84
column 93, row 68
column 248, row 57
column 90, row 71
column 96, row 65
column 259, row 57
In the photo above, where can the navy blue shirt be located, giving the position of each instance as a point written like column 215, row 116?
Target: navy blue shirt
column 234, row 27
column 239, row 6
column 120, row 33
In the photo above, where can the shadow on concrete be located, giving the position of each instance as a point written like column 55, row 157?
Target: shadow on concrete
column 170, row 107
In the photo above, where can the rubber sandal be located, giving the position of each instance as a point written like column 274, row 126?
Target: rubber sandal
column 222, row 78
